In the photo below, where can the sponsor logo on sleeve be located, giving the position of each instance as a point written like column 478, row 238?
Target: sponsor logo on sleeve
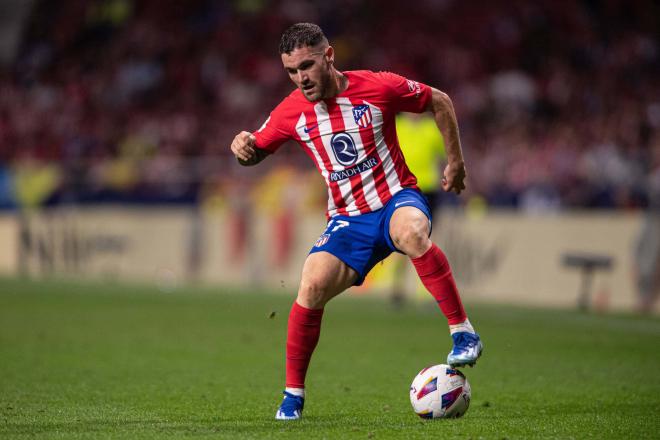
column 414, row 86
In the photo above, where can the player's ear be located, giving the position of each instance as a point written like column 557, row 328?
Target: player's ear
column 329, row 55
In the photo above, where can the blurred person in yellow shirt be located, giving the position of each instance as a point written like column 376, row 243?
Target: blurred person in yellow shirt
column 424, row 150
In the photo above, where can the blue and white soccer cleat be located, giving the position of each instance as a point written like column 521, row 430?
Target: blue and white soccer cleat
column 291, row 407
column 466, row 351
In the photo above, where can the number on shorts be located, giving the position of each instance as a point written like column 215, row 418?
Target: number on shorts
column 339, row 224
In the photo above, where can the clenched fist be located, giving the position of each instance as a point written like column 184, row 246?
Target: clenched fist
column 454, row 177
column 243, row 147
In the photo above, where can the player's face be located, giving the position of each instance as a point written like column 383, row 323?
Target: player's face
column 309, row 69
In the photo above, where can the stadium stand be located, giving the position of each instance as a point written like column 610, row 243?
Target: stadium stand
column 137, row 100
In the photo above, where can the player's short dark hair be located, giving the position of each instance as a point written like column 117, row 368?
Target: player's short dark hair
column 301, row 35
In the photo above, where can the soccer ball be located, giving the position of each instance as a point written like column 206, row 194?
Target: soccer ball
column 440, row 392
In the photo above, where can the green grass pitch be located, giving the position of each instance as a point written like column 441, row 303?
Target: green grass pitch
column 99, row 361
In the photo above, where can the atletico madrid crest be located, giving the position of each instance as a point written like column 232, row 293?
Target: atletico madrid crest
column 323, row 239
column 362, row 115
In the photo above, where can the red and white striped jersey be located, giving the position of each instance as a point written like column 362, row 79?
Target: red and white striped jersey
column 351, row 137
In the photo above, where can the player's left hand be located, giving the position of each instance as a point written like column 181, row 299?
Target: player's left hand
column 454, row 177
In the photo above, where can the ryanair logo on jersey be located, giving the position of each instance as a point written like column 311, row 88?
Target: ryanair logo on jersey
column 362, row 115
column 344, row 148
column 363, row 166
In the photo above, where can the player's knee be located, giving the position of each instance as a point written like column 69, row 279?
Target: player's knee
column 312, row 293
column 412, row 236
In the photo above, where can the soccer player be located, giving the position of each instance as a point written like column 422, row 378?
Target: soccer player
column 345, row 122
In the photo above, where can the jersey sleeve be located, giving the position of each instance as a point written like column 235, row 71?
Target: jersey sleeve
column 405, row 94
column 271, row 135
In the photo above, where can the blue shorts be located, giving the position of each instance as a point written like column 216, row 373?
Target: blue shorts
column 363, row 241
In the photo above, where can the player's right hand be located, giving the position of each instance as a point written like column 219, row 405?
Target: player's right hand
column 453, row 179
column 243, row 146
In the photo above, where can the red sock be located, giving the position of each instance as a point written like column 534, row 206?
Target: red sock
column 434, row 271
column 303, row 334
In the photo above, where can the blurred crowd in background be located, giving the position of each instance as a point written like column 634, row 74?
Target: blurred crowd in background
column 138, row 100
